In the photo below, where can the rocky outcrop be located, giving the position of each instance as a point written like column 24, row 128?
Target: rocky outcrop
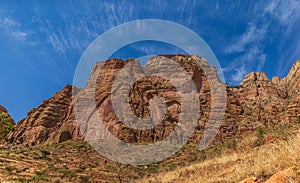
column 142, row 93
column 291, row 82
column 256, row 102
column 284, row 176
column 268, row 103
column 53, row 120
column 249, row 180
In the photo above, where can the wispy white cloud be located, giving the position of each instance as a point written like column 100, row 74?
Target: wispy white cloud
column 288, row 56
column 19, row 35
column 254, row 55
column 78, row 29
column 74, row 31
column 55, row 38
column 253, row 34
column 239, row 74
column 56, row 43
column 287, row 15
column 250, row 45
column 245, row 63
column 286, row 12
column 9, row 22
column 12, row 27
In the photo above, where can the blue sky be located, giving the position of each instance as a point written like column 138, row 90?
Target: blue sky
column 42, row 41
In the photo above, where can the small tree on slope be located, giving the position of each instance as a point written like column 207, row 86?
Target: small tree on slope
column 5, row 126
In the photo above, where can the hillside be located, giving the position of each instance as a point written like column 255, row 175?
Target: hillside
column 251, row 165
column 261, row 122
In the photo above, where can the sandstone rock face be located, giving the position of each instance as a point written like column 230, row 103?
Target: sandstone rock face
column 262, row 102
column 256, row 102
column 268, row 103
column 141, row 94
column 53, row 120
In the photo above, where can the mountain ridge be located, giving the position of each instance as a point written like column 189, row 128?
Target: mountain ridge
column 258, row 101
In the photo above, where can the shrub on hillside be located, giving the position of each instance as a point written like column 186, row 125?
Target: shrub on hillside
column 5, row 126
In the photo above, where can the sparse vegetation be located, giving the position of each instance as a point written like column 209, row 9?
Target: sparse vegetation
column 45, row 152
column 260, row 133
column 73, row 161
column 261, row 163
column 5, row 126
column 9, row 169
column 80, row 146
column 84, row 179
column 282, row 130
column 68, row 173
column 39, row 176
column 22, row 179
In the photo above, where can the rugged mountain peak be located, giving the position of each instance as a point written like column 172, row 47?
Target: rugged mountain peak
column 51, row 121
column 294, row 70
column 254, row 78
column 293, row 80
column 291, row 83
column 293, row 73
column 277, row 80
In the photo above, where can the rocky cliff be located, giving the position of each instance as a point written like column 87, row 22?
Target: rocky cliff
column 53, row 120
column 256, row 102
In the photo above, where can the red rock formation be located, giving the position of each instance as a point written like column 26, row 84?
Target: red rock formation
column 285, row 176
column 51, row 121
column 141, row 94
column 257, row 101
column 248, row 180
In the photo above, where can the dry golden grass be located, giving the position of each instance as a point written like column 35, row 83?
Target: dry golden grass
column 261, row 162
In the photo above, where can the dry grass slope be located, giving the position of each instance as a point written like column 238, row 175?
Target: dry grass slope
column 261, row 163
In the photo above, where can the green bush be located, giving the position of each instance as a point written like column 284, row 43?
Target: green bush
column 84, row 179
column 68, row 173
column 260, row 134
column 40, row 173
column 39, row 176
column 45, row 153
column 9, row 169
column 80, row 146
column 5, row 126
